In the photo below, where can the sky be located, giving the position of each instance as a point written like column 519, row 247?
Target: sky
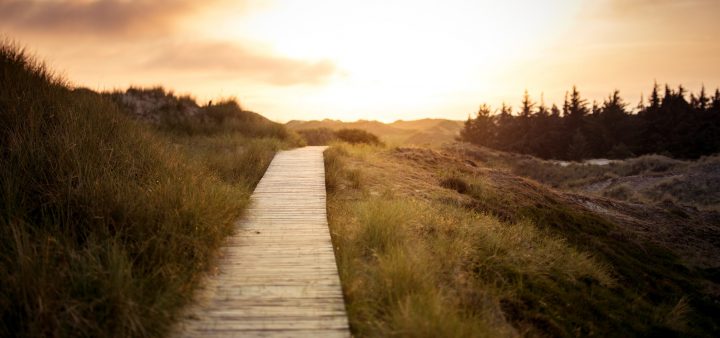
column 374, row 60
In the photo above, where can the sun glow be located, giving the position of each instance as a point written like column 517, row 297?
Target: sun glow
column 385, row 60
column 389, row 54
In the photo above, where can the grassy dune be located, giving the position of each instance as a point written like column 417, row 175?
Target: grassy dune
column 431, row 244
column 423, row 132
column 106, row 223
column 648, row 179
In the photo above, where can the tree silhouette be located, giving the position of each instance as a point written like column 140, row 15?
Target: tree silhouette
column 669, row 124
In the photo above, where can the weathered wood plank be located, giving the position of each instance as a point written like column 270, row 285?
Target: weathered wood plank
column 277, row 276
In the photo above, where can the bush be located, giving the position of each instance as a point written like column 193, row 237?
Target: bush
column 317, row 136
column 355, row 136
column 455, row 183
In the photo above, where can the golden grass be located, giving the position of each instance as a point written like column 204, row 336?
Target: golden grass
column 414, row 267
column 106, row 225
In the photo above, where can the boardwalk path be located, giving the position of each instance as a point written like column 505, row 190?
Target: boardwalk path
column 278, row 275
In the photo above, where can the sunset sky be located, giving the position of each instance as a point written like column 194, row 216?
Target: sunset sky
column 382, row 60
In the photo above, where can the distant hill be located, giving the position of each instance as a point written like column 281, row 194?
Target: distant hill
column 423, row 132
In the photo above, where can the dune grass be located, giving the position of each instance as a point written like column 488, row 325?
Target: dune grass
column 462, row 257
column 325, row 136
column 648, row 179
column 106, row 224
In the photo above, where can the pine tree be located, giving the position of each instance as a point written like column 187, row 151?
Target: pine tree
column 480, row 130
column 505, row 134
column 654, row 97
column 542, row 109
column 667, row 124
column 578, row 148
column 613, row 121
column 702, row 100
column 595, row 110
column 578, row 106
column 577, row 110
column 715, row 104
column 555, row 111
column 527, row 106
column 641, row 105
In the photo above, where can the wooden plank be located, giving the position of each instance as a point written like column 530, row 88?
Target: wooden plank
column 277, row 276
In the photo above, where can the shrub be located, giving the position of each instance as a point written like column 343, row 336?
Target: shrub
column 356, row 136
column 455, row 183
column 317, row 136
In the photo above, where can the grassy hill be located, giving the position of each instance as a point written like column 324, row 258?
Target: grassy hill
column 451, row 243
column 424, row 132
column 649, row 179
column 108, row 218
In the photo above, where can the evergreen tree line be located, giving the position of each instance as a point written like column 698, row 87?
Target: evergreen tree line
column 673, row 123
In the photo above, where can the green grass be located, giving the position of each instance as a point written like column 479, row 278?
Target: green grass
column 106, row 224
column 505, row 257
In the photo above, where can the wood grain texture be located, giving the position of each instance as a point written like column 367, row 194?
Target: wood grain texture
column 277, row 276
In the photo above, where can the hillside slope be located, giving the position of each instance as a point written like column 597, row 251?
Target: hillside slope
column 650, row 179
column 108, row 223
column 440, row 243
column 424, row 132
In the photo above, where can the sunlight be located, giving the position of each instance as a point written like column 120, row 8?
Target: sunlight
column 398, row 52
column 274, row 168
column 374, row 59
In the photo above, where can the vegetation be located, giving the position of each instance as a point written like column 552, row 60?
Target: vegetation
column 429, row 244
column 182, row 116
column 317, row 136
column 648, row 179
column 324, row 136
column 669, row 124
column 423, row 132
column 106, row 223
column 356, row 136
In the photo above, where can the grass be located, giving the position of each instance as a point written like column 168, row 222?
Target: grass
column 429, row 247
column 317, row 136
column 325, row 136
column 574, row 174
column 107, row 224
column 649, row 179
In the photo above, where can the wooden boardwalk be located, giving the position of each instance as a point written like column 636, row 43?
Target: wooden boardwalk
column 277, row 276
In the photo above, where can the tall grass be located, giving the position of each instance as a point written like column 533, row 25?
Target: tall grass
column 105, row 225
column 224, row 117
column 317, row 136
column 325, row 136
column 494, row 257
column 411, row 267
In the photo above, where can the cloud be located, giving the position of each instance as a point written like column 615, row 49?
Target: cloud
column 660, row 9
column 660, row 21
column 643, row 5
column 98, row 17
column 232, row 60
